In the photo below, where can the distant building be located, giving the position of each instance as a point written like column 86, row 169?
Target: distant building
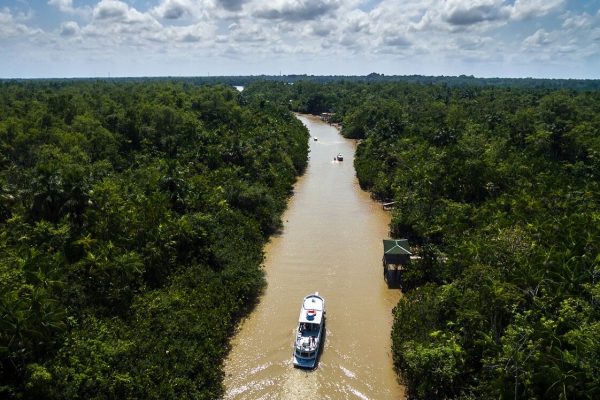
column 326, row 116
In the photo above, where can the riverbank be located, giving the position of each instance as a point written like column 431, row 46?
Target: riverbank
column 331, row 243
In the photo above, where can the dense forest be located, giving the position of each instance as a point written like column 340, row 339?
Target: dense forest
column 497, row 189
column 133, row 215
column 132, row 221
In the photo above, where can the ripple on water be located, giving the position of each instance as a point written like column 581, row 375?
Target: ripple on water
column 299, row 384
column 259, row 368
column 358, row 393
column 250, row 388
column 348, row 373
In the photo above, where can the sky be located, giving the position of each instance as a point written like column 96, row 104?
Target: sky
column 483, row 38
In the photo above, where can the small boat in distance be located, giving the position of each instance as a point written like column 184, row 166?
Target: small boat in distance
column 311, row 325
column 315, row 138
column 340, row 157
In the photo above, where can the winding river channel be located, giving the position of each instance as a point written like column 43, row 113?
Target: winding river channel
column 330, row 243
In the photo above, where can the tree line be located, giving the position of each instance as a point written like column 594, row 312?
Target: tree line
column 372, row 78
column 496, row 188
column 132, row 222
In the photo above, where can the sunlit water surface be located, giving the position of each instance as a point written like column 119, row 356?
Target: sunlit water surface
column 331, row 243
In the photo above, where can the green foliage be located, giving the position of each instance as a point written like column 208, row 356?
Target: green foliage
column 133, row 217
column 502, row 219
column 496, row 188
column 431, row 367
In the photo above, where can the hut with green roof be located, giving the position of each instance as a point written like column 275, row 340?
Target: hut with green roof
column 396, row 254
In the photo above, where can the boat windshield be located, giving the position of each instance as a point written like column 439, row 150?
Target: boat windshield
column 306, row 327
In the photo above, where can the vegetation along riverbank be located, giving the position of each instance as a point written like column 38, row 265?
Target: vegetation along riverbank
column 132, row 221
column 496, row 188
column 133, row 216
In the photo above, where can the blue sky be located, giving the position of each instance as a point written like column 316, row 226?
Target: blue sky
column 485, row 38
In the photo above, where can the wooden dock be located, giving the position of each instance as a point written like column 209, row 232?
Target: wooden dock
column 388, row 206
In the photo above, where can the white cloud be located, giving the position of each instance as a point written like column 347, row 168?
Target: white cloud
column 357, row 22
column 461, row 15
column 434, row 28
column 116, row 17
column 69, row 28
column 556, row 47
column 295, row 10
column 197, row 34
column 112, row 9
column 396, row 41
column 176, row 9
column 232, row 5
column 305, row 31
column 525, row 9
column 322, row 29
column 451, row 16
column 476, row 43
column 575, row 41
column 538, row 39
column 578, row 22
column 67, row 7
column 248, row 33
column 458, row 12
column 11, row 26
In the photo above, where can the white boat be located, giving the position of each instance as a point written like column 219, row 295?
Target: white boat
column 340, row 157
column 315, row 138
column 310, row 332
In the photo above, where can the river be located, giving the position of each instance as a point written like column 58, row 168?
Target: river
column 331, row 242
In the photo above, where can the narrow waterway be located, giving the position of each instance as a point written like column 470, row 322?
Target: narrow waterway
column 331, row 243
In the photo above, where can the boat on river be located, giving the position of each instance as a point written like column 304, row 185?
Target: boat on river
column 310, row 332
column 340, row 157
column 315, row 138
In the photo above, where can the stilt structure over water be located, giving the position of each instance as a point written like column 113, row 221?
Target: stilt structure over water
column 396, row 255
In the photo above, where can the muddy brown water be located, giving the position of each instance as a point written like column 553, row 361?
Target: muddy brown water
column 330, row 243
